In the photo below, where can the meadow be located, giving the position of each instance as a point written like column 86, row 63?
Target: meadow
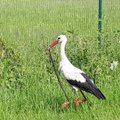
column 29, row 89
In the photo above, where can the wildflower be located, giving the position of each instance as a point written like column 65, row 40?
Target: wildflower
column 113, row 65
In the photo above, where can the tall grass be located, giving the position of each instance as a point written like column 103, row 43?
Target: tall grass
column 29, row 26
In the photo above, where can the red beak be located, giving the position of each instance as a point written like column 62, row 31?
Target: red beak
column 54, row 43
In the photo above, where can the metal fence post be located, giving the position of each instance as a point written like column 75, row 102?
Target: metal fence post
column 100, row 23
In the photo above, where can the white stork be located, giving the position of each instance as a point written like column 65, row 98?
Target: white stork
column 74, row 76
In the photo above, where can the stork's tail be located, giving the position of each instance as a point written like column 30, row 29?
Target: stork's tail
column 98, row 94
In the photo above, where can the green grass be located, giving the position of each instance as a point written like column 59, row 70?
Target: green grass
column 28, row 27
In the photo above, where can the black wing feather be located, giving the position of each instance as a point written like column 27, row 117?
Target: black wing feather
column 87, row 86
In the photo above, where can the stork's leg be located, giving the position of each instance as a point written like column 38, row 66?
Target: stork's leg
column 85, row 99
column 74, row 92
column 65, row 104
column 79, row 101
column 76, row 99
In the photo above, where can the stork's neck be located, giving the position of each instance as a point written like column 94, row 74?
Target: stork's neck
column 63, row 55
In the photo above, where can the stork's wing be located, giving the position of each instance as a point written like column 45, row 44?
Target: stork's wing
column 86, row 85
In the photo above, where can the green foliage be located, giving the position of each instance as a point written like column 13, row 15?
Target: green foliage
column 92, row 59
column 27, row 28
column 10, row 67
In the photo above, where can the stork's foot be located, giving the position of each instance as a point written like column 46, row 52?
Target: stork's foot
column 65, row 104
column 79, row 101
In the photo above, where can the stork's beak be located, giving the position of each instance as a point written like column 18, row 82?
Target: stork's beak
column 53, row 44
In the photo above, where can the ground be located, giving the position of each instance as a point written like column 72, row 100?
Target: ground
column 29, row 26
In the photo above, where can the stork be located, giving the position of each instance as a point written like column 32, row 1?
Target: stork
column 77, row 78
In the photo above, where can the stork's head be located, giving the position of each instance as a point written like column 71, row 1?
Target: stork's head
column 60, row 39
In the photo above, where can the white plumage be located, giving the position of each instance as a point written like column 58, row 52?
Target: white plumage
column 71, row 73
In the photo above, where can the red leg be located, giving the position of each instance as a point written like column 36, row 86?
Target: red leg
column 65, row 104
column 79, row 101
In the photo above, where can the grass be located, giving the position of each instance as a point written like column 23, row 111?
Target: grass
column 28, row 27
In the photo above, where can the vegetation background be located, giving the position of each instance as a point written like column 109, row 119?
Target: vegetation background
column 28, row 86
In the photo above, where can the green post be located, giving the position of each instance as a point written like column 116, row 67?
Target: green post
column 100, row 23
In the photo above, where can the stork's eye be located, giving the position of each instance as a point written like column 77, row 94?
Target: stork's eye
column 58, row 38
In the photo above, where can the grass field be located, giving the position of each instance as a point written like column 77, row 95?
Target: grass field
column 28, row 86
